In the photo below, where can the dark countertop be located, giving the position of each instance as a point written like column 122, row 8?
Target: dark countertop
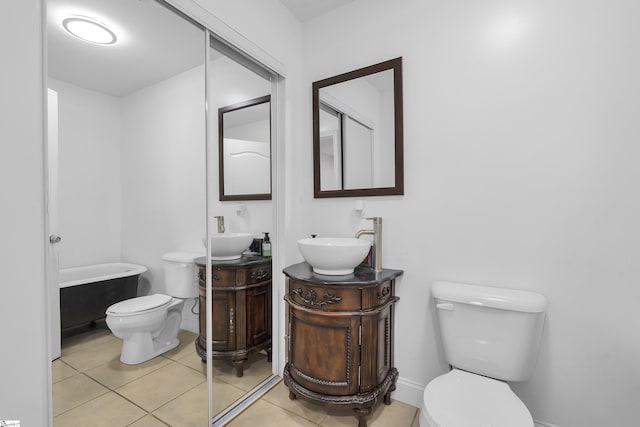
column 361, row 275
column 245, row 261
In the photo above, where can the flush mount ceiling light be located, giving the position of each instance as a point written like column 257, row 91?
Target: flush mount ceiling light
column 89, row 29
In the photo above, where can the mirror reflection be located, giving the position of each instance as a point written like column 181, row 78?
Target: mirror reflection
column 240, row 91
column 245, row 150
column 358, row 132
column 126, row 153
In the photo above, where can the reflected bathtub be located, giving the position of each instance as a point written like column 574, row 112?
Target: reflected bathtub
column 86, row 292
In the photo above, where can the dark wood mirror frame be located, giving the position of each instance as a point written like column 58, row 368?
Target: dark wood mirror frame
column 398, row 188
column 221, row 112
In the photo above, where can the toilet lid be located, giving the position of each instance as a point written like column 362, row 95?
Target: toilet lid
column 139, row 304
column 463, row 399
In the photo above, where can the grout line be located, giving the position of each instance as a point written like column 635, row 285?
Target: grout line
column 415, row 418
column 90, row 344
column 82, row 403
column 128, row 382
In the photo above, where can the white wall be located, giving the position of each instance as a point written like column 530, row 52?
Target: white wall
column 24, row 392
column 163, row 176
column 521, row 171
column 89, row 203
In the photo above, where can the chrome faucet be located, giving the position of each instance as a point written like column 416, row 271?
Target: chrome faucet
column 377, row 241
column 220, row 223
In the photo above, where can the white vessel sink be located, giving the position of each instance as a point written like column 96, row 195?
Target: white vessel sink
column 225, row 246
column 334, row 255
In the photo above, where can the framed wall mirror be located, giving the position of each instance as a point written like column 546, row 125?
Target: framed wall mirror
column 244, row 148
column 357, row 132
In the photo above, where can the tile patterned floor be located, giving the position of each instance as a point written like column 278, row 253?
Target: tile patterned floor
column 91, row 387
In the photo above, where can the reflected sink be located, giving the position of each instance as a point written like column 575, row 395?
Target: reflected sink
column 226, row 246
column 334, row 255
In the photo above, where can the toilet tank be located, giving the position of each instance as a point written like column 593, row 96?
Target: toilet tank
column 181, row 274
column 490, row 331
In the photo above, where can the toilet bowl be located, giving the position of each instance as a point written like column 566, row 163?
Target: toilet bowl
column 463, row 399
column 489, row 336
column 149, row 325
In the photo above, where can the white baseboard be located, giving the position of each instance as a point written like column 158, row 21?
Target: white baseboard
column 543, row 424
column 409, row 392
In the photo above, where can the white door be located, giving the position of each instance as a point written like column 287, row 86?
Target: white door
column 52, row 214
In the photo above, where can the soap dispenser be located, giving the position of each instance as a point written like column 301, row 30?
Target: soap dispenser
column 266, row 245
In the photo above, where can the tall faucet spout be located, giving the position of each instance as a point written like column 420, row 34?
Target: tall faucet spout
column 377, row 241
column 220, row 223
column 361, row 232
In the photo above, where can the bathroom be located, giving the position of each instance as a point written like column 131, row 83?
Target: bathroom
column 531, row 186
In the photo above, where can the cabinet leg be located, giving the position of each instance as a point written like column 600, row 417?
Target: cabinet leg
column 387, row 398
column 362, row 414
column 239, row 364
column 269, row 357
column 292, row 395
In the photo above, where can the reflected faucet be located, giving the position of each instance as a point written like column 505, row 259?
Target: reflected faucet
column 220, row 223
column 377, row 241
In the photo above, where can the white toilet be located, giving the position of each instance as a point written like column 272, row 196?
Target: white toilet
column 149, row 325
column 489, row 335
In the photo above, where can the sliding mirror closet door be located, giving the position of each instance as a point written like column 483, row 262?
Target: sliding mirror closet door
column 131, row 180
column 240, row 127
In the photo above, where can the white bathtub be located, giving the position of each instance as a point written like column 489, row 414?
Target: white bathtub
column 98, row 273
column 86, row 292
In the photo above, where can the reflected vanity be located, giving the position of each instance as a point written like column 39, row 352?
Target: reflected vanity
column 241, row 311
column 357, row 132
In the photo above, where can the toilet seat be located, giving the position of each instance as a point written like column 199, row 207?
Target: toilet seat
column 139, row 305
column 463, row 399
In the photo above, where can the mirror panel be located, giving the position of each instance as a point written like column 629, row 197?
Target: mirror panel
column 240, row 93
column 245, row 150
column 145, row 127
column 357, row 132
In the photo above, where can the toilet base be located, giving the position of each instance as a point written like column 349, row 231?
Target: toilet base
column 140, row 348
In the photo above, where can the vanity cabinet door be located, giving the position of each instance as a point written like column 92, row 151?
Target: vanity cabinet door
column 376, row 351
column 258, row 314
column 324, row 352
column 223, row 325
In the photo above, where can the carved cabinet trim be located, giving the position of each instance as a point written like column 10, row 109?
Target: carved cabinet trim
column 340, row 338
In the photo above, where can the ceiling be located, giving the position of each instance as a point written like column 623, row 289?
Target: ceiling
column 306, row 10
column 148, row 35
column 153, row 42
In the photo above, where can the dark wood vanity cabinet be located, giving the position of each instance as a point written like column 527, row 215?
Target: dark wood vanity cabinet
column 241, row 309
column 340, row 338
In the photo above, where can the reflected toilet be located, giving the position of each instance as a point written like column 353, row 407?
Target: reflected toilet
column 149, row 325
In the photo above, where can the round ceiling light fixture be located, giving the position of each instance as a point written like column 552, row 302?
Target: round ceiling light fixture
column 89, row 30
